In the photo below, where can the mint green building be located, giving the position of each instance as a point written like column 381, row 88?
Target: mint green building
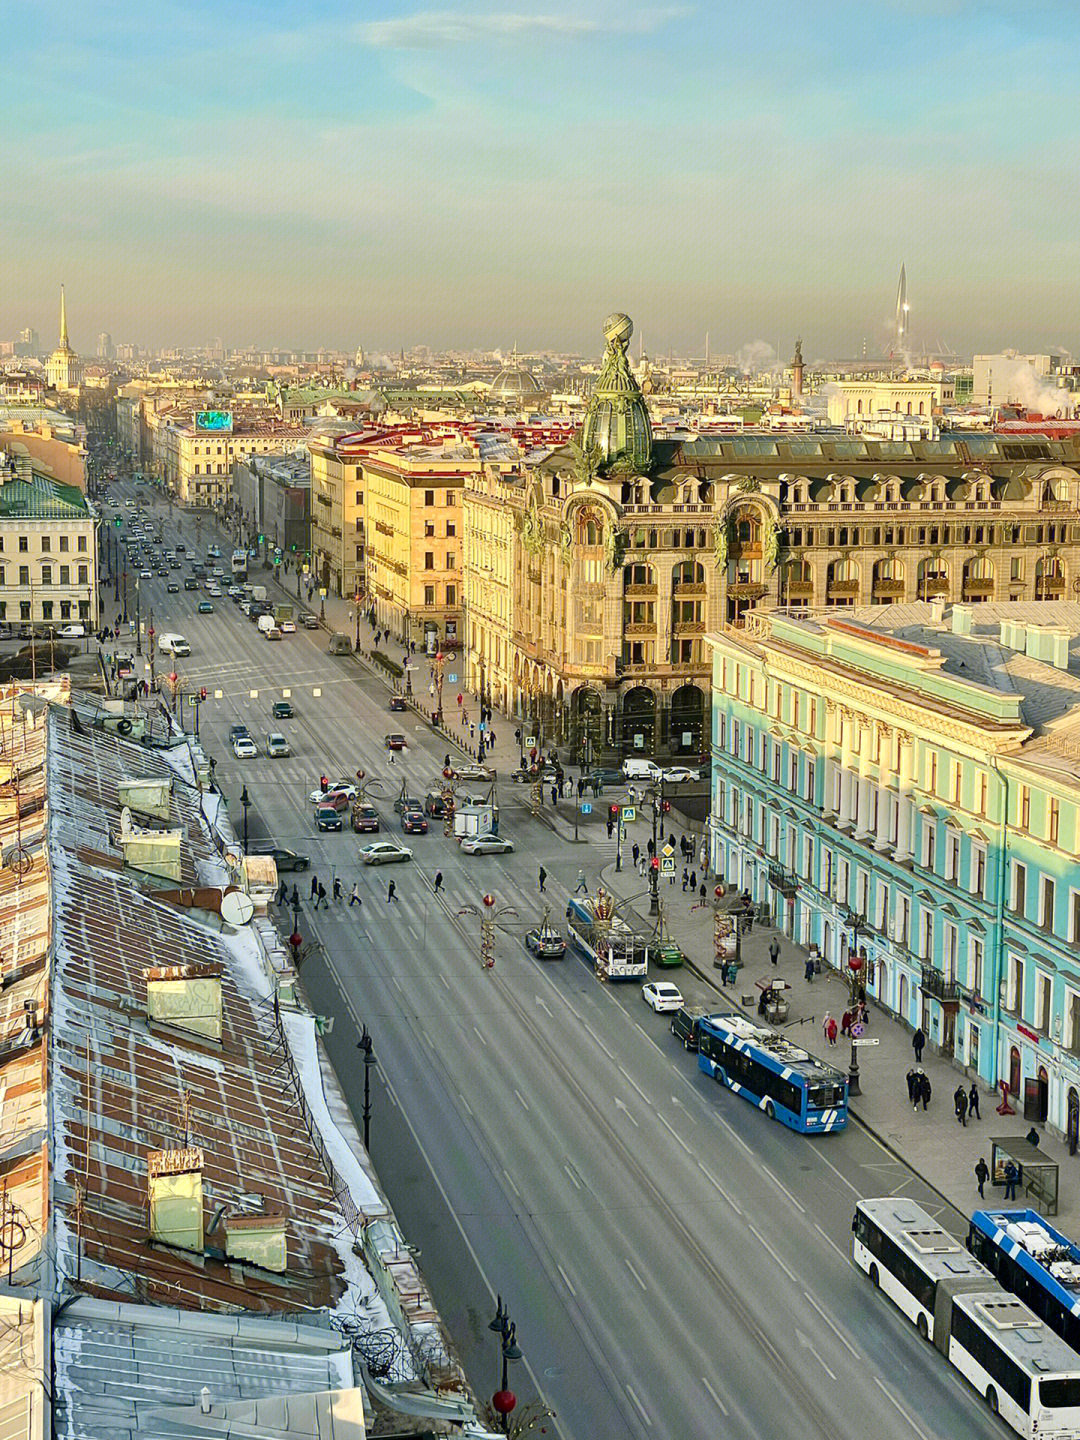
column 903, row 783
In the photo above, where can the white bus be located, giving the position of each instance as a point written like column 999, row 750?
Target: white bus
column 1021, row 1368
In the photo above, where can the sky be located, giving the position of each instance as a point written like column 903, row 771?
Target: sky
column 492, row 172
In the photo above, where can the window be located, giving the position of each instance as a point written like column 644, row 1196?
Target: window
column 952, row 854
column 929, row 841
column 451, row 594
column 1074, row 895
column 1042, row 1002
column 46, row 544
column 24, row 544
column 451, row 560
column 359, row 497
column 926, row 936
column 952, row 940
column 978, row 870
column 429, row 594
column 429, row 529
column 46, row 609
column 451, row 529
column 81, row 544
column 958, row 781
column 46, row 574
column 1014, row 985
column 983, row 784
column 24, row 574
column 450, row 498
column 1072, row 1020
column 903, row 919
column 83, row 575
column 1053, row 820
column 65, row 574
column 65, row 543
column 1046, row 903
column 1019, row 895
column 932, row 780
column 429, row 497
column 975, row 966
column 1025, row 807
column 429, row 560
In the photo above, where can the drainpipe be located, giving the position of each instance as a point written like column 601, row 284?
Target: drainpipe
column 998, row 950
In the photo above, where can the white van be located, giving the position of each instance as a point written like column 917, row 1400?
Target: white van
column 173, row 645
column 266, row 623
column 640, row 769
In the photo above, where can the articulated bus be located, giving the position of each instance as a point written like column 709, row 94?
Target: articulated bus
column 779, row 1077
column 1025, row 1372
column 1033, row 1260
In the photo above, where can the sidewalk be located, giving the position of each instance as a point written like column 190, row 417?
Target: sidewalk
column 932, row 1143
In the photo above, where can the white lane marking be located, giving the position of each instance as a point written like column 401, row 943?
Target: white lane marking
column 466, row 1106
column 641, row 1408
column 759, row 1237
column 621, row 1105
column 781, row 1186
column 731, row 1131
column 715, row 1398
column 636, row 1276
column 510, row 1182
column 838, row 1173
column 598, row 1042
column 653, row 1043
column 838, row 1333
column 918, row 1430
column 572, row 1177
column 716, row 1184
column 566, row 1279
column 543, row 1007
column 633, row 1083
column 832, row 1242
column 674, row 1133
column 521, row 1097
column 479, row 1036
column 444, row 980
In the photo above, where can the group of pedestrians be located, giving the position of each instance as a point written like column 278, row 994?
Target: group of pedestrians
column 919, row 1087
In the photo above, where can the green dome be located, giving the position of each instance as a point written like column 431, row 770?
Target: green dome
column 616, row 420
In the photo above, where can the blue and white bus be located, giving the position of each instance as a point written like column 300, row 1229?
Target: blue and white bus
column 1033, row 1260
column 779, row 1077
column 239, row 564
column 1023, row 1371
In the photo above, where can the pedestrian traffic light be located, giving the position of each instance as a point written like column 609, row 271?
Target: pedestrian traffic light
column 202, row 693
column 118, row 522
column 654, row 863
column 667, row 807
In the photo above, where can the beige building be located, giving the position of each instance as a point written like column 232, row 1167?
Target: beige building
column 48, row 548
column 337, row 505
column 489, row 510
column 196, row 454
column 855, row 402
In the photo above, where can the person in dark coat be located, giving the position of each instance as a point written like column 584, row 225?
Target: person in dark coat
column 973, row 1102
column 1012, row 1175
column 918, row 1044
column 314, row 887
column 808, row 970
column 913, row 1087
column 960, row 1104
column 925, row 1090
column 774, row 949
column 982, row 1174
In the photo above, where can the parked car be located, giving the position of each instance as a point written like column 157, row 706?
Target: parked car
column 71, row 632
column 383, row 852
column 245, row 748
column 277, row 745
column 274, row 633
column 282, row 710
column 684, row 1025
column 414, row 822
column 284, row 859
column 661, row 995
column 486, row 845
column 365, row 818
column 679, row 775
column 397, row 702
column 545, row 943
column 395, row 742
column 309, row 621
column 327, row 818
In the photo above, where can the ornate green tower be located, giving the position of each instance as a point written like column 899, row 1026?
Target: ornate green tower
column 616, row 420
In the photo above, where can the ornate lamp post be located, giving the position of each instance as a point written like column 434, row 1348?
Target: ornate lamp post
column 364, row 1045
column 448, row 795
column 245, row 801
column 504, row 1399
column 490, row 920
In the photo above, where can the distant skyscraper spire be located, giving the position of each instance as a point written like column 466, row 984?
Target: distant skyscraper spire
column 901, row 311
column 63, row 321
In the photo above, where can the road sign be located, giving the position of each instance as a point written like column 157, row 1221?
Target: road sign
column 667, row 867
column 530, row 741
column 667, row 852
column 629, row 813
column 452, row 679
column 866, row 1041
column 193, row 700
column 586, row 808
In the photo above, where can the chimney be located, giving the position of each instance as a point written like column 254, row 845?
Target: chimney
column 259, row 1239
column 149, row 797
column 174, row 1189
column 188, row 997
column 154, row 852
column 937, row 609
column 961, row 619
column 1036, row 647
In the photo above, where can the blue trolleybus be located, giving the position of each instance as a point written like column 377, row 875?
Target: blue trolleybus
column 1034, row 1261
column 779, row 1077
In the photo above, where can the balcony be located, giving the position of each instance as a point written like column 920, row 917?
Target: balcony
column 680, row 591
column 938, row 987
column 783, row 882
column 693, row 627
column 800, row 589
column 640, row 592
column 978, row 587
column 888, row 587
column 645, row 629
column 842, row 587
column 749, row 589
column 935, row 585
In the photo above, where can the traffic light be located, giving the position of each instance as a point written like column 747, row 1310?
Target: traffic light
column 666, row 807
column 202, row 693
column 118, row 522
column 613, row 811
column 654, row 863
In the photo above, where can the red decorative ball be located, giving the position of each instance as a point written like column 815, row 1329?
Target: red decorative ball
column 489, row 900
column 503, row 1401
column 296, row 940
column 719, row 892
column 448, row 774
column 855, row 963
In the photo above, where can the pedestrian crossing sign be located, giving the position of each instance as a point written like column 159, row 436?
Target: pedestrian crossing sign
column 629, row 813
column 667, row 866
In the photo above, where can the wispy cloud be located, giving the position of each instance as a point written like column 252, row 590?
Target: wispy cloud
column 439, row 29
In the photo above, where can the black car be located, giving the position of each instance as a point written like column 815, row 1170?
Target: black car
column 397, row 702
column 684, row 1025
column 603, row 776
column 414, row 822
column 283, row 858
column 407, row 802
column 434, row 804
column 238, row 732
column 190, row 583
column 282, row 710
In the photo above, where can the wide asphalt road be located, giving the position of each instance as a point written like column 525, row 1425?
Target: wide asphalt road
column 676, row 1265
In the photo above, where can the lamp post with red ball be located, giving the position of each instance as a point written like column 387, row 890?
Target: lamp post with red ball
column 504, row 1400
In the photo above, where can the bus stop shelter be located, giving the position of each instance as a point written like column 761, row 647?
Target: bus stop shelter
column 1037, row 1182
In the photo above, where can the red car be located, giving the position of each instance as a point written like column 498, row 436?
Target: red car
column 414, row 822
column 365, row 818
column 395, row 742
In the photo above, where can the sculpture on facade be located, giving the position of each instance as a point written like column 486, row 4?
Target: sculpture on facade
column 721, row 540
column 615, row 544
column 770, row 542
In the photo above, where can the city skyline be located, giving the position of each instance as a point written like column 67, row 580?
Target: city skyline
column 418, row 176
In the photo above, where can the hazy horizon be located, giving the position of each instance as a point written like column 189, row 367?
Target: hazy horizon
column 482, row 174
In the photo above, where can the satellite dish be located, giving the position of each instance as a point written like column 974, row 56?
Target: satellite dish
column 125, row 820
column 237, row 907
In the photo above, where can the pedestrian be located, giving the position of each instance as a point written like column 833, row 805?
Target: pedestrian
column 636, row 852
column 723, row 973
column 314, row 887
column 982, row 1174
column 685, row 878
column 580, row 788
column 321, row 897
column 808, row 970
column 973, row 1102
column 295, row 901
column 703, row 893
column 774, row 949
column 925, row 1090
column 438, row 881
column 960, row 1105
column 555, row 795
column 828, row 1023
column 392, row 760
column 391, row 893
column 845, row 1023
column 912, row 1087
column 610, row 829
column 671, row 840
column 918, row 1044
column 693, row 881
column 641, row 866
column 354, row 896
column 542, row 878
column 1012, row 1175
column 283, row 893
column 337, row 888
column 491, row 736
column 650, row 846
column 581, row 885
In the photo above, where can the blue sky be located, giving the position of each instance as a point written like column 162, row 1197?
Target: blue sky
column 486, row 172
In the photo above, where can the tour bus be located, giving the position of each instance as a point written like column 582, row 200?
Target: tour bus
column 1025, row 1372
column 1034, row 1261
column 779, row 1077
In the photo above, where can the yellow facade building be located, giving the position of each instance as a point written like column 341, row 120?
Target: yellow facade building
column 337, row 507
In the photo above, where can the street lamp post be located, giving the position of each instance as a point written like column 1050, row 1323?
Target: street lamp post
column 138, row 616
column 364, row 1044
column 245, row 801
column 504, row 1400
column 654, row 867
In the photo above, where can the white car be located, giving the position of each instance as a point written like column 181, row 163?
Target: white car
column 287, row 627
column 71, row 632
column 661, row 995
column 349, row 791
column 486, row 845
column 244, row 748
column 678, row 774
column 383, row 852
